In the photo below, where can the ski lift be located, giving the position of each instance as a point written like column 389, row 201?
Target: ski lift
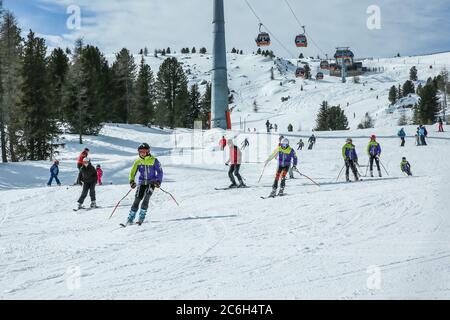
column 263, row 39
column 324, row 65
column 300, row 40
column 319, row 76
column 300, row 72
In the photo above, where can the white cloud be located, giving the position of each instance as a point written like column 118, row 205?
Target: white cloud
column 406, row 27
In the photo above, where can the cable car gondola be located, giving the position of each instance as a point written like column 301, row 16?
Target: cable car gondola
column 319, row 76
column 324, row 65
column 263, row 39
column 300, row 72
column 300, row 40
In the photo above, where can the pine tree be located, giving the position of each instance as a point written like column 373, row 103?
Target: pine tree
column 233, row 50
column 307, row 72
column 203, row 50
column 272, row 75
column 408, row 88
column 11, row 51
column 144, row 105
column 255, row 106
column 413, row 74
column 241, row 52
column 322, row 117
column 419, row 88
column 259, row 51
column 399, row 92
column 205, row 104
column 141, row 52
column 39, row 128
column 155, row 54
column 163, row 52
column 168, row 51
column 403, row 120
column 172, row 94
column 301, row 56
column 124, row 73
column 194, row 50
column 428, row 106
column 58, row 67
column 89, row 93
column 393, row 95
column 367, row 123
column 195, row 107
column 146, row 51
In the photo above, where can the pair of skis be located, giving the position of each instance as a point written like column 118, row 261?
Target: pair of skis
column 86, row 209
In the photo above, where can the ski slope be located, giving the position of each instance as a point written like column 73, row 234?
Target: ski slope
column 380, row 238
column 314, row 243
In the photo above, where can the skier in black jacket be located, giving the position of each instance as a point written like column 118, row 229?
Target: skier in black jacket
column 88, row 177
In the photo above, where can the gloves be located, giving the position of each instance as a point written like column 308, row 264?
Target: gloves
column 133, row 184
column 294, row 168
column 157, row 184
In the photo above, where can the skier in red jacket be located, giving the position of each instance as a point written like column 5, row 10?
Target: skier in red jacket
column 99, row 175
column 223, row 143
column 235, row 164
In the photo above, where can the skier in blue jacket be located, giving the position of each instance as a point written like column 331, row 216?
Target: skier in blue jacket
column 351, row 159
column 374, row 152
column 54, row 171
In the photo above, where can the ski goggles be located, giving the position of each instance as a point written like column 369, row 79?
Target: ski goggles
column 284, row 145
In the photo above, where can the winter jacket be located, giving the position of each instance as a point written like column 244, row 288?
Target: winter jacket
column 422, row 132
column 88, row 174
column 81, row 157
column 223, row 143
column 349, row 152
column 99, row 173
column 402, row 133
column 235, row 155
column 374, row 149
column 149, row 170
column 285, row 157
column 405, row 166
column 312, row 140
column 54, row 170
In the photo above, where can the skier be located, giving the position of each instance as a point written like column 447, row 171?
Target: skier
column 84, row 154
column 441, row 125
column 405, row 166
column 351, row 159
column 275, row 127
column 223, row 143
column 54, row 171
column 286, row 155
column 268, row 126
column 245, row 144
column 402, row 136
column 150, row 177
column 374, row 151
column 99, row 175
column 235, row 162
column 422, row 135
column 88, row 177
column 417, row 137
column 312, row 142
column 301, row 144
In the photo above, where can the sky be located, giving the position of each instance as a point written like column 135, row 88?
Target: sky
column 410, row 27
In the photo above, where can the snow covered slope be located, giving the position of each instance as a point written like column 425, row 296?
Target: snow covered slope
column 380, row 238
column 250, row 81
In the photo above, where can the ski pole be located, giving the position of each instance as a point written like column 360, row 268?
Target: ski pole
column 340, row 172
column 296, row 170
column 173, row 198
column 262, row 173
column 118, row 203
column 384, row 168
column 367, row 169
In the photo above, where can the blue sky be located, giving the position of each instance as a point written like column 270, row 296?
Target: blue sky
column 409, row 27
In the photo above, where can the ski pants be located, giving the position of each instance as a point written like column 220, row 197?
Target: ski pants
column 377, row 161
column 234, row 170
column 281, row 173
column 87, row 188
column 350, row 164
column 51, row 180
column 311, row 145
column 143, row 193
column 441, row 127
column 403, row 142
column 423, row 142
column 79, row 166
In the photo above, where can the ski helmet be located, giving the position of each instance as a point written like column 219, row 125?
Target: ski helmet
column 144, row 146
column 284, row 143
column 373, row 137
column 86, row 149
column 56, row 161
column 349, row 140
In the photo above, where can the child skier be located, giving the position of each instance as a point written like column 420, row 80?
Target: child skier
column 402, row 135
column 312, row 142
column 286, row 155
column 54, row 171
column 150, row 177
column 351, row 159
column 88, row 178
column 301, row 144
column 80, row 161
column 405, row 166
column 235, row 162
column 99, row 175
column 374, row 151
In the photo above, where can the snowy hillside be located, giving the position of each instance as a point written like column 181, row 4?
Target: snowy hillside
column 380, row 238
column 249, row 81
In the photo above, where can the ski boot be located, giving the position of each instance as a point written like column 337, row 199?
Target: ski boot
column 131, row 217
column 371, row 173
column 80, row 206
column 347, row 178
column 379, row 174
column 93, row 205
column 142, row 215
column 273, row 194
column 232, row 186
column 281, row 192
column 242, row 185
